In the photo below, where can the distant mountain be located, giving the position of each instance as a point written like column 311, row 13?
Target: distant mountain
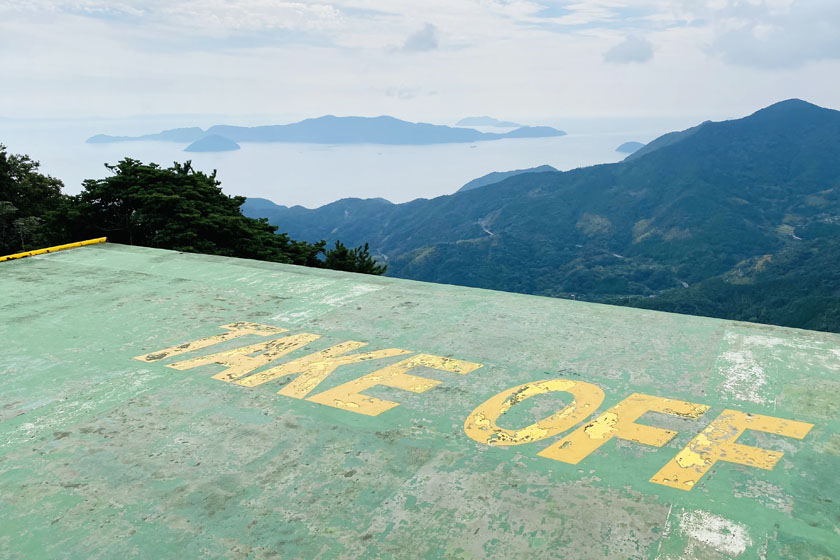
column 342, row 130
column 486, row 121
column 666, row 140
column 630, row 147
column 533, row 132
column 737, row 219
column 259, row 206
column 212, row 143
column 174, row 135
column 497, row 176
column 298, row 218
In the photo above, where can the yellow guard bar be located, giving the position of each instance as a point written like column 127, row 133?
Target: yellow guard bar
column 53, row 249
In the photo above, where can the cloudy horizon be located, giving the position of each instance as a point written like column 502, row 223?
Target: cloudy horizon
column 435, row 61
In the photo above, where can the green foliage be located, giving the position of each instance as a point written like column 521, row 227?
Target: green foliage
column 352, row 260
column 28, row 202
column 181, row 209
column 799, row 287
column 176, row 208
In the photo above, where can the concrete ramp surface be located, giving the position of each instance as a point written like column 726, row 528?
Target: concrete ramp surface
column 164, row 405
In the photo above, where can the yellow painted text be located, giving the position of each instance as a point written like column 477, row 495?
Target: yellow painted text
column 481, row 424
column 619, row 421
column 717, row 442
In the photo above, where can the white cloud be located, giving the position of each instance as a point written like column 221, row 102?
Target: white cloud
column 206, row 15
column 253, row 14
column 773, row 37
column 515, row 58
column 402, row 92
column 768, row 34
column 424, row 40
column 631, row 49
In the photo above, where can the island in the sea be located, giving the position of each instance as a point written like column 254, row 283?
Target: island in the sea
column 190, row 134
column 340, row 130
column 212, row 143
column 630, row 147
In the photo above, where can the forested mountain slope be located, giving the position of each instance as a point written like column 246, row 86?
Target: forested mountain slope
column 735, row 206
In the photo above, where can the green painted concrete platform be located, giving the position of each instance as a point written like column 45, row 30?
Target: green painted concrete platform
column 104, row 455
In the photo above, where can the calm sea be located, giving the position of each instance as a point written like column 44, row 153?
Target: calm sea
column 312, row 175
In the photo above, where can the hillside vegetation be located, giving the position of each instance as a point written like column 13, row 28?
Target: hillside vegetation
column 175, row 208
column 737, row 219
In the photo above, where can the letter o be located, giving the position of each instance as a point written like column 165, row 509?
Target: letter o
column 481, row 423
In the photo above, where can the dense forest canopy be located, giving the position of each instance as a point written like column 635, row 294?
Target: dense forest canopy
column 176, row 208
column 27, row 199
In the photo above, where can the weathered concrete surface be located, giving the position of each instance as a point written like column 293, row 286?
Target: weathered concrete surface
column 106, row 456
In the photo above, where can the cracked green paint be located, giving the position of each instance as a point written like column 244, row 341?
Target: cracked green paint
column 105, row 456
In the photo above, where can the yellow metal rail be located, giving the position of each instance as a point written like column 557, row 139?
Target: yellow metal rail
column 53, row 249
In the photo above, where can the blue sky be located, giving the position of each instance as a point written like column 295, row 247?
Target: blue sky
column 434, row 60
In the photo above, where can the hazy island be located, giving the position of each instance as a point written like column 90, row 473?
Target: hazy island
column 190, row 134
column 630, row 147
column 212, row 143
column 340, row 130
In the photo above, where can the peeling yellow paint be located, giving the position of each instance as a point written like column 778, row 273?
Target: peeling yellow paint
column 236, row 330
column 314, row 368
column 688, row 458
column 239, row 360
column 343, row 404
column 619, row 421
column 481, row 420
column 717, row 442
column 481, row 423
column 348, row 395
column 603, row 426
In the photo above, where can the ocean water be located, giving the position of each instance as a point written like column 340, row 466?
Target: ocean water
column 311, row 174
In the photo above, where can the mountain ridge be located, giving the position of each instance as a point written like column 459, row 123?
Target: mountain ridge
column 695, row 207
column 496, row 176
